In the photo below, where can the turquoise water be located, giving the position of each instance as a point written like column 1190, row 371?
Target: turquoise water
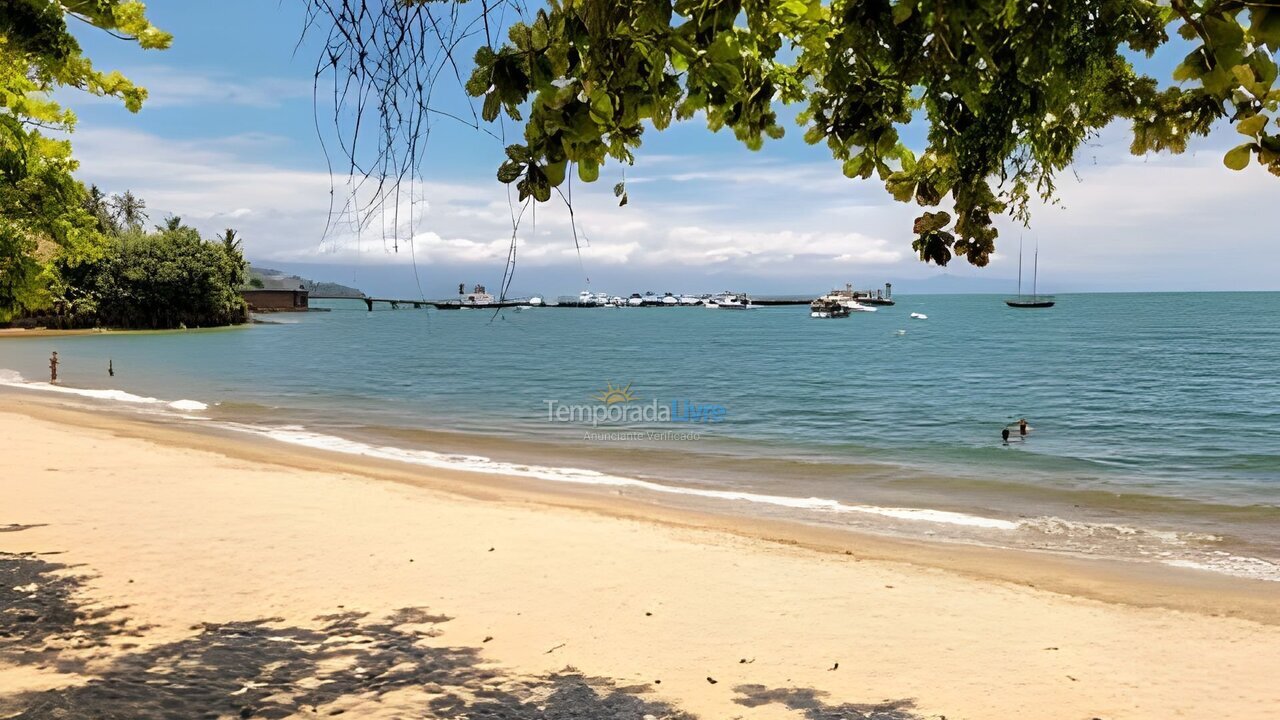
column 1156, row 416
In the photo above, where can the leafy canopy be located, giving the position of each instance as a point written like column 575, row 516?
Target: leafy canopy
column 42, row 207
column 1008, row 89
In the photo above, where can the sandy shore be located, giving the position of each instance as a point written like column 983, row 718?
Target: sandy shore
column 198, row 576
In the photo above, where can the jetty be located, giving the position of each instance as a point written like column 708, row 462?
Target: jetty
column 369, row 301
column 420, row 303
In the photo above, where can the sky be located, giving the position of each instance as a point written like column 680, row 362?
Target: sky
column 229, row 138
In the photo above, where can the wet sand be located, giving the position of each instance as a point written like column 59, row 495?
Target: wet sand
column 150, row 571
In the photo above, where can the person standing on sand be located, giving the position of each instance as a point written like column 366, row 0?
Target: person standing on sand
column 53, row 368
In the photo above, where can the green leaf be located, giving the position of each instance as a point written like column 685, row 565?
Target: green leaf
column 489, row 111
column 510, row 171
column 1237, row 158
column 555, row 172
column 1251, row 126
column 518, row 153
column 1264, row 26
column 903, row 10
column 601, row 105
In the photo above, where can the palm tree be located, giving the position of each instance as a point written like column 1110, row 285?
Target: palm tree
column 97, row 204
column 173, row 223
column 231, row 247
column 229, row 240
column 130, row 210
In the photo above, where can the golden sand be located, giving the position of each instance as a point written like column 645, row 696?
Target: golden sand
column 504, row 594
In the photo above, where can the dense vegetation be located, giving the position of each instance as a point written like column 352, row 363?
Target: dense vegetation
column 167, row 278
column 69, row 255
column 1007, row 90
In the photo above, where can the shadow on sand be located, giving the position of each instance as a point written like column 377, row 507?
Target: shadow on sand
column 811, row 703
column 348, row 662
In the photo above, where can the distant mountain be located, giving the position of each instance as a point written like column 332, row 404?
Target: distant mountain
column 277, row 280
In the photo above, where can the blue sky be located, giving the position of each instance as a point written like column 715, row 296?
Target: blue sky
column 228, row 139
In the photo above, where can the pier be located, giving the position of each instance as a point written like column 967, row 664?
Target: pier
column 369, row 301
column 420, row 304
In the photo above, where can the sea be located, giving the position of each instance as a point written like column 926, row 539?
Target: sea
column 1155, row 417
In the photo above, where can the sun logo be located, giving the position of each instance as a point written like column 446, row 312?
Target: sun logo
column 614, row 394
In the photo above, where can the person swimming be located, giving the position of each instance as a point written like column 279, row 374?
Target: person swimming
column 1023, row 427
column 1004, row 435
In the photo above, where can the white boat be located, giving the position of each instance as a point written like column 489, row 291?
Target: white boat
column 635, row 300
column 919, row 316
column 690, row 300
column 847, row 298
column 733, row 301
column 536, row 300
column 669, row 300
column 477, row 296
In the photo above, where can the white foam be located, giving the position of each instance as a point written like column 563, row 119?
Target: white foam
column 14, row 379
column 295, row 435
column 188, row 405
column 1245, row 567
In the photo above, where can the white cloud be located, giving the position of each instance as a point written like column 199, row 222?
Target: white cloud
column 181, row 87
column 1165, row 221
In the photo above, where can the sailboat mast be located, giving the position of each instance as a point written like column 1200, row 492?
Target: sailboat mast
column 1019, row 267
column 1035, row 274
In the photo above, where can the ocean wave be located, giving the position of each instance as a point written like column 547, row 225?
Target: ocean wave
column 296, row 435
column 1176, row 549
column 1221, row 562
column 1112, row 531
column 11, row 378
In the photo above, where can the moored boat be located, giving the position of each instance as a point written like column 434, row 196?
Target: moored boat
column 824, row 308
column 1034, row 300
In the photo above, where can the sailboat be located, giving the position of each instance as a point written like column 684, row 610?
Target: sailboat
column 1034, row 300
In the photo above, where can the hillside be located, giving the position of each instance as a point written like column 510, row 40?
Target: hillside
column 276, row 279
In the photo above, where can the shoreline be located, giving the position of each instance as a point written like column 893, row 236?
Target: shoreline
column 244, row 577
column 904, row 502
column 1134, row 583
column 43, row 332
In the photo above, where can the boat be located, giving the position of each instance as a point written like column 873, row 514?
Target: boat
column 477, row 296
column 824, row 308
column 855, row 300
column 733, row 301
column 919, row 316
column 670, row 300
column 635, row 300
column 1034, row 300
column 689, row 300
column 536, row 300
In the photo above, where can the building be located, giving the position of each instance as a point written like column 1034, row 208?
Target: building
column 276, row 295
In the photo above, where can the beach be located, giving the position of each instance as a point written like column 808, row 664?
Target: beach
column 167, row 572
